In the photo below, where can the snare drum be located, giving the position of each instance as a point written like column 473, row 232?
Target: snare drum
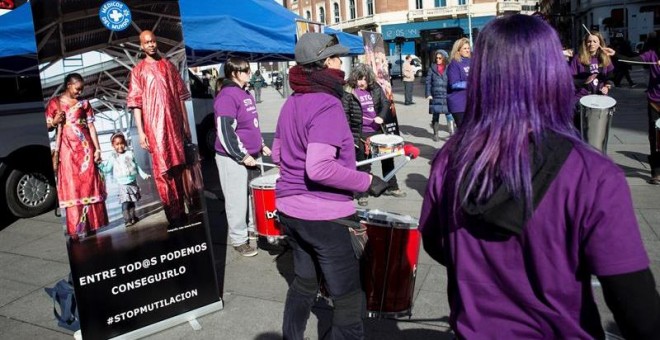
column 390, row 265
column 265, row 213
column 382, row 144
column 596, row 113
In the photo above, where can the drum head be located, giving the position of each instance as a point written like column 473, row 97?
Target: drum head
column 657, row 123
column 387, row 219
column 383, row 139
column 596, row 101
column 266, row 181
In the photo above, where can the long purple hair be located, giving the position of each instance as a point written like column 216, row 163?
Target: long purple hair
column 519, row 88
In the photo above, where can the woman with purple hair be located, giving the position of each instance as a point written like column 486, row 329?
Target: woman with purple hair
column 522, row 212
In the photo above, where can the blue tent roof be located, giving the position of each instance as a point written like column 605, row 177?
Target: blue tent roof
column 251, row 27
column 17, row 32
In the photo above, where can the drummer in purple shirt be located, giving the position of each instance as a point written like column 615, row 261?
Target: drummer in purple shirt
column 314, row 147
column 592, row 69
column 522, row 213
column 238, row 146
column 653, row 96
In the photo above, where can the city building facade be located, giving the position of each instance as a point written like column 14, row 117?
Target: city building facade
column 409, row 26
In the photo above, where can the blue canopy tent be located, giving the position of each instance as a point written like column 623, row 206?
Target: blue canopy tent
column 255, row 29
column 17, row 44
column 213, row 30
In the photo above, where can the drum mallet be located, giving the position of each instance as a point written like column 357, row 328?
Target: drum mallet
column 379, row 158
column 411, row 152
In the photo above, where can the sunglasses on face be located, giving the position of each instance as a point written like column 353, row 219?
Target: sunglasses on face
column 334, row 41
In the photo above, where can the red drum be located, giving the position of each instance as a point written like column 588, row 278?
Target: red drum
column 390, row 265
column 265, row 213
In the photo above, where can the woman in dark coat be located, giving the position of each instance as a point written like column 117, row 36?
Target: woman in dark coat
column 366, row 107
column 436, row 91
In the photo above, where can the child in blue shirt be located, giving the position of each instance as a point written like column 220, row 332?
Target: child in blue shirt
column 125, row 170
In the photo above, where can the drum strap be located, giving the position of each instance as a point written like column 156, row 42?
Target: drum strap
column 357, row 231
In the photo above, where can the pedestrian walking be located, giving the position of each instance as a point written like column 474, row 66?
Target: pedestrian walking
column 436, row 92
column 408, row 74
column 257, row 82
column 457, row 76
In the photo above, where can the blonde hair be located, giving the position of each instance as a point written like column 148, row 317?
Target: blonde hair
column 458, row 44
column 583, row 53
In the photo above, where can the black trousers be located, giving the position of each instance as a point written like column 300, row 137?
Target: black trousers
column 322, row 247
column 654, row 156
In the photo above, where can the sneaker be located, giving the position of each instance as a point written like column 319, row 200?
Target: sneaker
column 395, row 193
column 252, row 235
column 363, row 201
column 245, row 250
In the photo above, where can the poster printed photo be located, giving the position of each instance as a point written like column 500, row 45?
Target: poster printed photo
column 128, row 176
column 374, row 55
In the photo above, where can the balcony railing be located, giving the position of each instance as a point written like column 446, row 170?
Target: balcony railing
column 509, row 6
column 426, row 13
column 363, row 21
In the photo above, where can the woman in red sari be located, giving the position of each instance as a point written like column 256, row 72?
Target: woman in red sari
column 80, row 188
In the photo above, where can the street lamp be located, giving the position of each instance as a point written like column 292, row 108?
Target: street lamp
column 399, row 43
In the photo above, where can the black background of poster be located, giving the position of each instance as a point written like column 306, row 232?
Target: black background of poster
column 117, row 246
column 96, row 303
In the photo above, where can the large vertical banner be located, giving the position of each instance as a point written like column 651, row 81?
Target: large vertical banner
column 374, row 55
column 128, row 177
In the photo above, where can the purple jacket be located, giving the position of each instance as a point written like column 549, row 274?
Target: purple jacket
column 457, row 75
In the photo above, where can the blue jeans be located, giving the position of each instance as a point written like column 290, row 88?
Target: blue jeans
column 322, row 246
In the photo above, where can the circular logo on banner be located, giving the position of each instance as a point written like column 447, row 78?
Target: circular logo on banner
column 115, row 15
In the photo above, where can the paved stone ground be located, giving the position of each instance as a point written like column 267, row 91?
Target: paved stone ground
column 33, row 254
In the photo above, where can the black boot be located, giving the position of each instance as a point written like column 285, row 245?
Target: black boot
column 435, row 131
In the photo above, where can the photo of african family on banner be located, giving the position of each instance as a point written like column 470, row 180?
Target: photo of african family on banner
column 128, row 175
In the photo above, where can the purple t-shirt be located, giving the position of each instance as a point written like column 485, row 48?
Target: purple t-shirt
column 457, row 72
column 311, row 118
column 584, row 71
column 537, row 284
column 236, row 103
column 368, row 110
column 653, row 91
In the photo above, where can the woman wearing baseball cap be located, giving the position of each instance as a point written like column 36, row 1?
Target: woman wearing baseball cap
column 314, row 148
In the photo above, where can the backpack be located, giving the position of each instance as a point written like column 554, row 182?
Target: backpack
column 63, row 295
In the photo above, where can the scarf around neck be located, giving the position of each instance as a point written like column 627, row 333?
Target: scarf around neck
column 326, row 80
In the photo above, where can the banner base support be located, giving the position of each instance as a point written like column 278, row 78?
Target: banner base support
column 195, row 324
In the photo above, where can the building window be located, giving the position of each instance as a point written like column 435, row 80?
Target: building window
column 440, row 3
column 370, row 7
column 308, row 15
column 336, row 12
column 322, row 15
column 419, row 5
column 351, row 6
column 462, row 2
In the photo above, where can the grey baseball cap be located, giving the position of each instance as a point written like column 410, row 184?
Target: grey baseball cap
column 313, row 47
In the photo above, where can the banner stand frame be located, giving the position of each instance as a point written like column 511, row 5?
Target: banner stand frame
column 190, row 317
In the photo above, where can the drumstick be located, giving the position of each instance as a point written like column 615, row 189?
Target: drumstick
column 268, row 164
column 589, row 32
column 638, row 62
column 411, row 152
column 379, row 158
